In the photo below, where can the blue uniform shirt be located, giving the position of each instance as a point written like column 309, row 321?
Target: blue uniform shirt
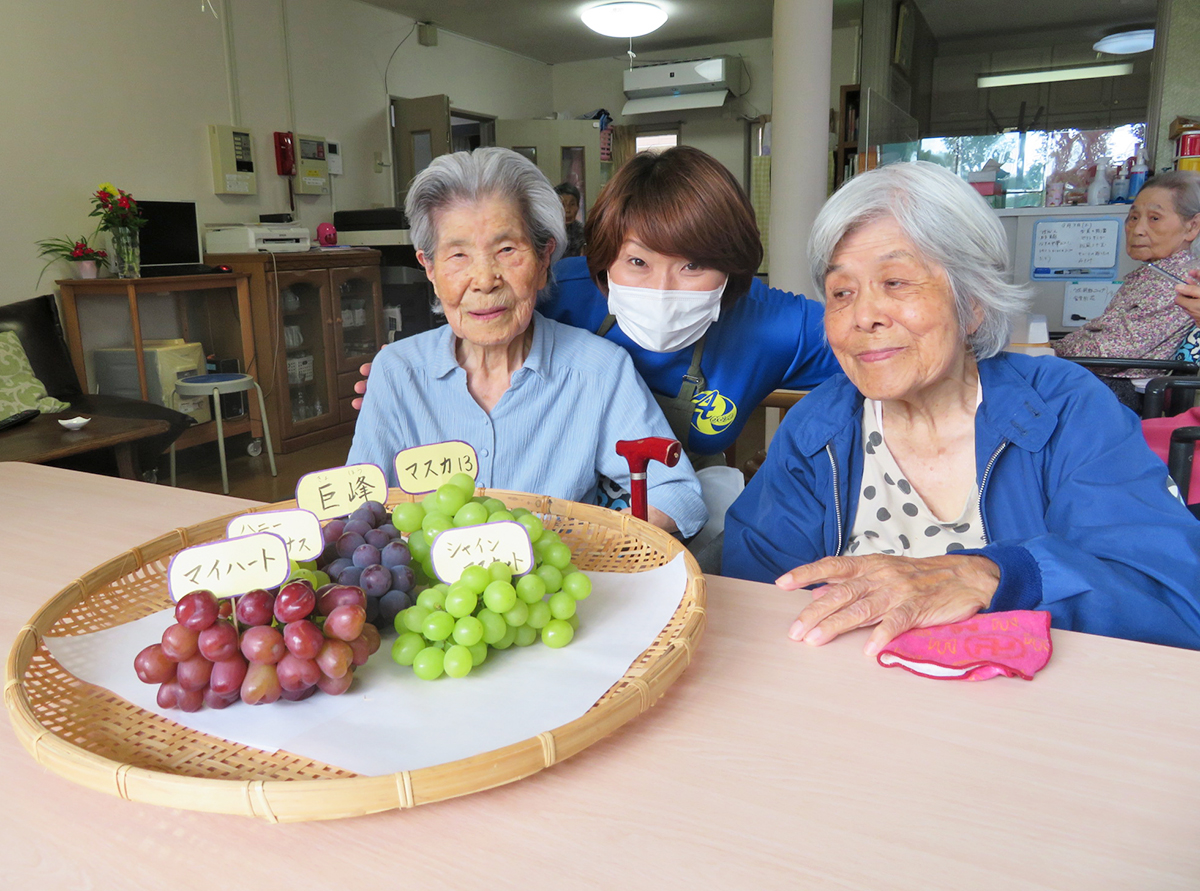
column 552, row 432
column 769, row 339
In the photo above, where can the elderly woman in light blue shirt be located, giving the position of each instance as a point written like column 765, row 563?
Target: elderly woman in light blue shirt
column 543, row 404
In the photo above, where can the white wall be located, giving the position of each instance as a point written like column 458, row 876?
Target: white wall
column 124, row 93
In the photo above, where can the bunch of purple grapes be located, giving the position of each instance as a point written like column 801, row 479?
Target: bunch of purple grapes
column 365, row 550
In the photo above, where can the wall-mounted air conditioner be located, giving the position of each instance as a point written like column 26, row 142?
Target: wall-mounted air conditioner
column 669, row 86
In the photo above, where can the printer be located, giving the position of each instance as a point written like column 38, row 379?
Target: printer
column 252, row 237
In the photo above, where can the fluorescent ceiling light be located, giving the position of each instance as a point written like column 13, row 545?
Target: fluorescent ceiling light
column 1124, row 43
column 625, row 19
column 1049, row 75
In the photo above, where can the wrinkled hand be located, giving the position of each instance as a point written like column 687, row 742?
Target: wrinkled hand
column 1187, row 297
column 655, row 517
column 894, row 593
column 360, row 387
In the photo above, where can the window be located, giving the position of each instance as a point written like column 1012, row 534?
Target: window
column 657, row 142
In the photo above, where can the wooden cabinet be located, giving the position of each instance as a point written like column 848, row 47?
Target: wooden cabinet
column 317, row 317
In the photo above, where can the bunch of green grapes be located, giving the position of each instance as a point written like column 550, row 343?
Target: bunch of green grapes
column 451, row 627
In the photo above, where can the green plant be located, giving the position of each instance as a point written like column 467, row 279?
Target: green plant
column 69, row 249
column 116, row 209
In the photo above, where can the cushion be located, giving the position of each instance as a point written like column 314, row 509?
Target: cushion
column 19, row 389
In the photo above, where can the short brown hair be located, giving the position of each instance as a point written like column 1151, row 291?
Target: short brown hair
column 681, row 202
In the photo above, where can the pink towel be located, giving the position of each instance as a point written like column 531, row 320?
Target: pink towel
column 1014, row 644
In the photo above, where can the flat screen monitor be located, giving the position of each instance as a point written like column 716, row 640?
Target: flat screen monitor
column 171, row 236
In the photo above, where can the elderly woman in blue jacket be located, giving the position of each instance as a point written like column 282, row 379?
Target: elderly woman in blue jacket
column 939, row 477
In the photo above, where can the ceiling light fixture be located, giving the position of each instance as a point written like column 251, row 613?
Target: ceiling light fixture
column 1126, row 42
column 624, row 19
column 1050, row 75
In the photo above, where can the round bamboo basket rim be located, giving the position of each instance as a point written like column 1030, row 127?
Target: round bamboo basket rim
column 98, row 739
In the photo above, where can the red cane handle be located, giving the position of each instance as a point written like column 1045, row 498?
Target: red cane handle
column 639, row 453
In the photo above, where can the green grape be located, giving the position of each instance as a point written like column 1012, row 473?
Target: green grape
column 461, row 600
column 531, row 588
column 308, row 564
column 499, row 597
column 551, row 576
column 427, row 568
column 557, row 555
column 468, row 631
column 406, row 647
column 494, row 625
column 525, row 636
column 430, row 502
column 500, row 572
column 435, row 524
column 451, row 498
column 562, row 605
column 539, row 615
column 578, row 585
column 570, row 568
column 518, row 614
column 457, row 661
column 510, row 635
column 574, row 622
column 418, row 545
column 322, row 579
column 500, row 516
column 439, row 625
column 415, row 616
column 408, row 516
column 557, row 633
column 519, row 512
column 475, row 577
column 493, row 505
column 464, row 481
column 479, row 653
column 550, row 537
column 470, row 514
column 299, row 573
column 429, row 664
column 432, row 598
column 532, row 525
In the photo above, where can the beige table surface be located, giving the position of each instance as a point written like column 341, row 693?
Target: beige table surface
column 769, row 764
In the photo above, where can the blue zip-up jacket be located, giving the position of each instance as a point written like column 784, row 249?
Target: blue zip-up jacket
column 1077, row 510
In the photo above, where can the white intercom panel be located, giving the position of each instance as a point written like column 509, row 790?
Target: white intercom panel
column 312, row 165
column 232, row 150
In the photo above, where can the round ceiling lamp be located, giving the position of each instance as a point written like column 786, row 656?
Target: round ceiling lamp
column 1125, row 43
column 624, row 19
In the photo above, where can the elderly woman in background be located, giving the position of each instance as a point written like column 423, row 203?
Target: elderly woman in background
column 938, row 476
column 1142, row 320
column 543, row 404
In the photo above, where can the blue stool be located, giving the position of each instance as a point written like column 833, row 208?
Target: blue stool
column 216, row 385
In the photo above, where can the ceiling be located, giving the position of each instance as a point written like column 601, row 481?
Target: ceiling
column 551, row 31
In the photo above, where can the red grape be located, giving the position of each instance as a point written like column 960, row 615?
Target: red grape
column 168, row 695
column 227, row 675
column 256, row 607
column 296, row 674
column 297, row 695
column 225, row 608
column 335, row 658
column 371, row 634
column 218, row 641
column 333, row 530
column 362, row 650
column 296, row 600
column 303, row 639
column 340, row 595
column 213, row 699
column 180, row 643
column 153, row 666
column 261, row 685
column 193, row 674
column 197, row 610
column 190, row 700
column 335, row 686
column 345, row 622
column 263, row 645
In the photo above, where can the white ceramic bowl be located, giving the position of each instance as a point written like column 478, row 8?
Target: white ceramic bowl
column 73, row 423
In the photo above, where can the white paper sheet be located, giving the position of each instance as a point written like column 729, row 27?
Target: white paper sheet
column 390, row 720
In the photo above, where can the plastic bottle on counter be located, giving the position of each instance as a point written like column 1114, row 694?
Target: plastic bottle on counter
column 1137, row 177
column 1120, row 188
column 1100, row 191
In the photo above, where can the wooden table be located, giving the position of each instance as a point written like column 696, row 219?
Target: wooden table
column 43, row 439
column 770, row 764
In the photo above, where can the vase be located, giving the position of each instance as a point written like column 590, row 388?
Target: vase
column 85, row 269
column 126, row 252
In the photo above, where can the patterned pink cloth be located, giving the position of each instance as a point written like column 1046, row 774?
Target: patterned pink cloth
column 1013, row 644
column 1141, row 322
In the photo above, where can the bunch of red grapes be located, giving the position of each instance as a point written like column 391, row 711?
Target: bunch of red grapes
column 268, row 646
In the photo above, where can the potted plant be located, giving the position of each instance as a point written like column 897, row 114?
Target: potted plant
column 88, row 261
column 121, row 218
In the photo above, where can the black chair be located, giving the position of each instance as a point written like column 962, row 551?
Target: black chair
column 1099, row 364
column 38, row 327
column 1182, row 450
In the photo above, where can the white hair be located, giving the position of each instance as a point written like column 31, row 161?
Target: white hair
column 951, row 226
column 464, row 178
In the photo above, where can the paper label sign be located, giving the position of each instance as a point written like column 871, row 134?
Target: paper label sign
column 229, row 567
column 456, row 549
column 337, row 491
column 300, row 530
column 421, row 469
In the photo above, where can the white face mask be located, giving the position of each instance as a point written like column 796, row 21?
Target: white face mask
column 664, row 321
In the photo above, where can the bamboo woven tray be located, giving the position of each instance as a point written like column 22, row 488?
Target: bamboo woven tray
column 100, row 740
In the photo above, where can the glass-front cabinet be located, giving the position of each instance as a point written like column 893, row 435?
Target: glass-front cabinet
column 357, row 316
column 305, row 373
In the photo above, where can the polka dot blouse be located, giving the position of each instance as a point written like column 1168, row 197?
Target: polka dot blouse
column 892, row 518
